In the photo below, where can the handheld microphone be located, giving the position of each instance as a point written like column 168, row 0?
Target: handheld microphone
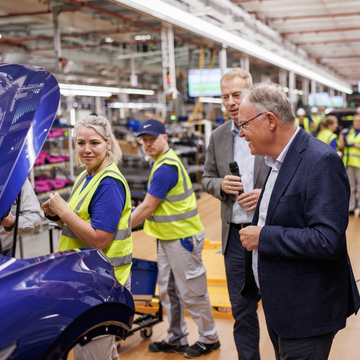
column 234, row 169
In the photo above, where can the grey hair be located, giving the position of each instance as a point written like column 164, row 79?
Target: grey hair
column 102, row 126
column 267, row 97
column 238, row 72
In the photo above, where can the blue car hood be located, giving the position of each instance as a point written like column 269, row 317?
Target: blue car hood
column 29, row 99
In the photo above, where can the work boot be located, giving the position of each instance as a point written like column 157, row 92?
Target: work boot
column 200, row 349
column 167, row 348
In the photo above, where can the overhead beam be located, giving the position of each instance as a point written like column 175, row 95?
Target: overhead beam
column 34, row 13
column 83, row 46
column 327, row 42
column 311, row 17
column 126, row 19
column 71, row 35
column 318, row 31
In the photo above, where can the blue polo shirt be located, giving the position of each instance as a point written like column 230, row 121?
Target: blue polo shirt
column 106, row 204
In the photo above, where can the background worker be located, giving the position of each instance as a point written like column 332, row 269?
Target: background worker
column 327, row 131
column 170, row 213
column 316, row 119
column 29, row 219
column 349, row 144
column 97, row 214
column 303, row 121
column 296, row 259
column 237, row 211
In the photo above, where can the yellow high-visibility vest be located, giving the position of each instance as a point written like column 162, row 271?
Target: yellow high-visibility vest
column 176, row 216
column 120, row 249
column 306, row 124
column 327, row 136
column 351, row 156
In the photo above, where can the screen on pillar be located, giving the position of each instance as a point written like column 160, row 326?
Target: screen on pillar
column 324, row 99
column 204, row 82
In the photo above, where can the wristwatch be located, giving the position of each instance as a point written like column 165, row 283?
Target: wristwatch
column 52, row 218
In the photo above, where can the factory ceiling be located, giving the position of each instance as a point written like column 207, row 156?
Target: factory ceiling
column 107, row 41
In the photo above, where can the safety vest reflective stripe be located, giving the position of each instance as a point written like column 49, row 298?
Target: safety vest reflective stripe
column 187, row 192
column 77, row 184
column 118, row 235
column 178, row 217
column 122, row 261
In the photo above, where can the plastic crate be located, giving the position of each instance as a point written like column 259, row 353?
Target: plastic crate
column 143, row 277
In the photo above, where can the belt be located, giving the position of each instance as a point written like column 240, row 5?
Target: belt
column 240, row 226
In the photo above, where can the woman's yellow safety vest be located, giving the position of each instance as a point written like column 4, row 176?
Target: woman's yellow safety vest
column 120, row 249
column 327, row 136
column 351, row 156
column 306, row 124
column 176, row 216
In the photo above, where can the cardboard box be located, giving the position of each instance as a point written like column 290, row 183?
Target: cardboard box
column 128, row 147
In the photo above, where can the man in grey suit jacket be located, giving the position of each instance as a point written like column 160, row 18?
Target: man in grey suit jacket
column 297, row 259
column 236, row 211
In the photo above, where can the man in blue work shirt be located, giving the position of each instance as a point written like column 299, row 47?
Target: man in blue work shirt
column 170, row 213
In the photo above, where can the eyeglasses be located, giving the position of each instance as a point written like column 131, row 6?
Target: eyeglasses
column 243, row 125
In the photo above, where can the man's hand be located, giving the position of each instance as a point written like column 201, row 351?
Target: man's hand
column 9, row 221
column 231, row 184
column 249, row 237
column 249, row 199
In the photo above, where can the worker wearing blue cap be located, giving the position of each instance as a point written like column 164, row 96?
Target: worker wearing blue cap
column 170, row 213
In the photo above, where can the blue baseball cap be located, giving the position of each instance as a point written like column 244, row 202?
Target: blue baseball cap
column 152, row 127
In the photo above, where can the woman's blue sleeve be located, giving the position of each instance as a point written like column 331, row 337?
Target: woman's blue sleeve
column 107, row 205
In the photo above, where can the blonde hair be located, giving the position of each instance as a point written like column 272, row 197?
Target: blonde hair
column 102, row 126
column 238, row 72
column 327, row 121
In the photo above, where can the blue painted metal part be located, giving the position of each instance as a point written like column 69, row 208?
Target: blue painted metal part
column 41, row 297
column 47, row 303
column 29, row 99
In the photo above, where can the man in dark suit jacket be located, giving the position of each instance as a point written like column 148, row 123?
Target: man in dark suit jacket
column 297, row 257
column 236, row 211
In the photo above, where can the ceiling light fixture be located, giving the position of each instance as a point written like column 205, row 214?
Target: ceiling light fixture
column 100, row 91
column 211, row 100
column 178, row 17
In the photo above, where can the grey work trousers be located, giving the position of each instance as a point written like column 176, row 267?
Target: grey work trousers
column 182, row 285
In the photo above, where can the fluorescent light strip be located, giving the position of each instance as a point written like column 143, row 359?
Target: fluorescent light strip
column 102, row 91
column 66, row 92
column 178, row 17
column 212, row 100
column 132, row 105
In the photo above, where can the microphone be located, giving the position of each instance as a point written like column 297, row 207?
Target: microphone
column 234, row 169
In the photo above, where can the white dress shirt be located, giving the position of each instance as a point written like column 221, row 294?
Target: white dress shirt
column 245, row 161
column 264, row 204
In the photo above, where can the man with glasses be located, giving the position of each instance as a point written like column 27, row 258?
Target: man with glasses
column 226, row 146
column 297, row 261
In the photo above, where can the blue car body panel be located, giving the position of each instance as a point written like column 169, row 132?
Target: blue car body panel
column 47, row 303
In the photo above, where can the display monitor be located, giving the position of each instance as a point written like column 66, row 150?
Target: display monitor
column 204, row 82
column 319, row 99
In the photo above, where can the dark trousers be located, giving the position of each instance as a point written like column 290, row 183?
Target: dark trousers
column 246, row 327
column 311, row 348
